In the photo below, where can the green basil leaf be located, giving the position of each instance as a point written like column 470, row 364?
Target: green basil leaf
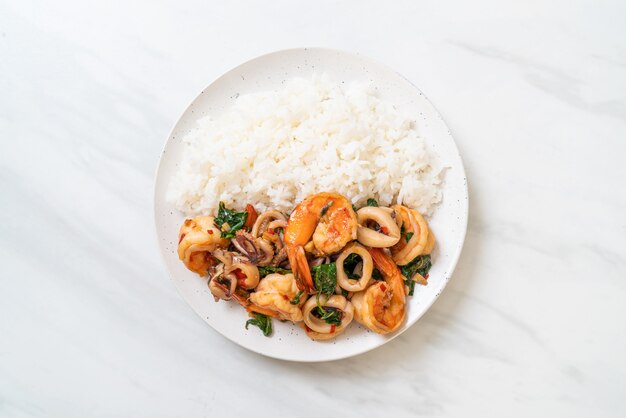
column 420, row 264
column 296, row 300
column 234, row 219
column 325, row 278
column 329, row 315
column 349, row 264
column 265, row 270
column 263, row 322
column 326, row 207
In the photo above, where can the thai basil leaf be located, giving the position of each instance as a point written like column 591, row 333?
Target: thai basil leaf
column 261, row 321
column 234, row 219
column 420, row 264
column 331, row 316
column 326, row 207
column 349, row 264
column 325, row 278
column 296, row 299
column 265, row 270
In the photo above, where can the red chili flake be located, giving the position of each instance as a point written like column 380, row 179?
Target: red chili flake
column 271, row 231
column 384, row 229
column 252, row 215
column 180, row 239
column 241, row 277
column 307, row 328
column 383, row 287
column 332, row 328
column 285, row 297
column 426, row 277
column 209, row 231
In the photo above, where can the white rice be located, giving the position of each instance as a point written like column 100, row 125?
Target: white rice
column 274, row 148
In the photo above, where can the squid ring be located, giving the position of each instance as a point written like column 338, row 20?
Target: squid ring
column 389, row 233
column 262, row 222
column 247, row 274
column 352, row 285
column 221, row 285
column 317, row 328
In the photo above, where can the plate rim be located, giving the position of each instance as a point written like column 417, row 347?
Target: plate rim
column 454, row 258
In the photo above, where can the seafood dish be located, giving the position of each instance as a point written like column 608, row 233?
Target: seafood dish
column 308, row 204
column 324, row 265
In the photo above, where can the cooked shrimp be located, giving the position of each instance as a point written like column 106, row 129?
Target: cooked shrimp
column 382, row 306
column 404, row 252
column 326, row 217
column 319, row 329
column 275, row 293
column 197, row 239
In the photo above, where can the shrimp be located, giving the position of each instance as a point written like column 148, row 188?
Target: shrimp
column 382, row 306
column 275, row 293
column 327, row 218
column 421, row 239
column 197, row 239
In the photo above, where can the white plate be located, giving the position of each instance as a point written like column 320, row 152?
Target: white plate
column 449, row 222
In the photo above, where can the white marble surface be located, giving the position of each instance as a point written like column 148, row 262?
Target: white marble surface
column 532, row 323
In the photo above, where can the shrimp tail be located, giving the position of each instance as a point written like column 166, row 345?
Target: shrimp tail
column 383, row 262
column 300, row 267
column 242, row 297
column 390, row 271
column 264, row 311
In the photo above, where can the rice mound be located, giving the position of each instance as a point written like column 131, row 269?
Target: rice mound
column 274, row 148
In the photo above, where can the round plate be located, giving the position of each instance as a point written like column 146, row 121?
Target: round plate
column 268, row 72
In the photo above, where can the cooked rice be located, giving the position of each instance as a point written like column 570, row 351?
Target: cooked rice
column 274, row 148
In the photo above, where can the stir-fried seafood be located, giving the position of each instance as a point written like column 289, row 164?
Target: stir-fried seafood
column 327, row 218
column 366, row 268
column 276, row 292
column 197, row 239
column 326, row 317
column 381, row 307
column 413, row 223
column 324, row 265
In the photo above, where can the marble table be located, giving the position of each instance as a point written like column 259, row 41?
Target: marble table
column 532, row 323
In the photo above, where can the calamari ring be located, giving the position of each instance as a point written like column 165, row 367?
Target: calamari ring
column 352, row 285
column 389, row 233
column 318, row 329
